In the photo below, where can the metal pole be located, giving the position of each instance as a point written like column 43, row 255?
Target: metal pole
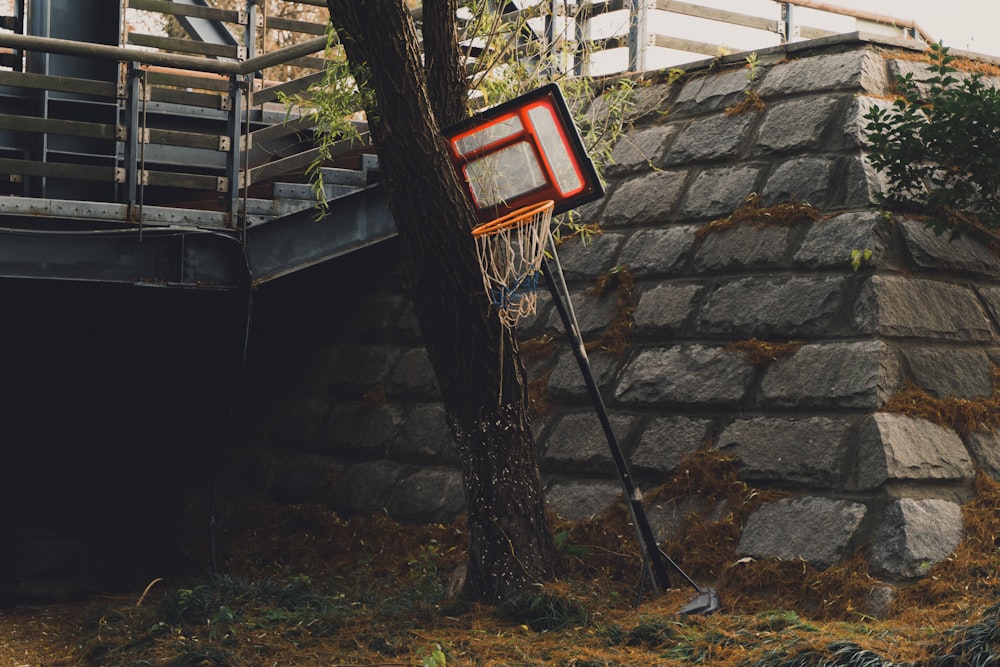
column 633, row 498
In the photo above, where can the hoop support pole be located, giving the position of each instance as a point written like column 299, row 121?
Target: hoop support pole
column 654, row 556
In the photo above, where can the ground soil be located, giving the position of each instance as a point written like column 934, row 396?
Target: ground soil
column 304, row 586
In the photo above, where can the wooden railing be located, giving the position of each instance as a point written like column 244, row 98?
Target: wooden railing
column 196, row 109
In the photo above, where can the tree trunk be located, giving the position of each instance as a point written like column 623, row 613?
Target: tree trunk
column 473, row 355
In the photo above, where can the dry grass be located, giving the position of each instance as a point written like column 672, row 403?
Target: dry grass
column 964, row 416
column 615, row 340
column 753, row 214
column 308, row 587
column 760, row 353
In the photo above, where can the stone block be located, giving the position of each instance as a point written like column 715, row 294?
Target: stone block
column 423, row 434
column 990, row 297
column 664, row 308
column 412, row 375
column 358, row 427
column 718, row 192
column 665, row 441
column 900, row 448
column 714, row 138
column 921, row 308
column 798, row 450
column 584, row 258
column 684, row 375
column 579, row 444
column 833, row 375
column 648, row 200
column 579, row 500
column 300, row 424
column 566, row 380
column 593, row 313
column 985, row 449
column 667, row 518
column 353, row 368
column 658, row 251
column 367, row 487
column 428, row 496
column 933, row 251
column 640, row 149
column 854, row 133
column 814, row 529
column 851, row 70
column 798, row 125
column 743, row 247
column 950, row 372
column 863, row 185
column 803, row 180
column 913, row 536
column 920, row 70
column 828, row 243
column 775, row 309
column 711, row 93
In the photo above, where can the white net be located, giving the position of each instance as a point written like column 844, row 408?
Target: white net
column 510, row 252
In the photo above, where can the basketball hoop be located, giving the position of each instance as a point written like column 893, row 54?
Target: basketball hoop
column 510, row 251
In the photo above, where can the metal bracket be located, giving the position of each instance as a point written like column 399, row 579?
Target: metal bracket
column 259, row 20
column 225, row 102
column 369, row 162
column 120, row 174
column 222, row 184
column 16, row 178
column 225, row 143
column 242, row 17
column 122, row 86
column 241, row 53
column 121, row 133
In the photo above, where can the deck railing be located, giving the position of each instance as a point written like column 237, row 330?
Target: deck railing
column 195, row 111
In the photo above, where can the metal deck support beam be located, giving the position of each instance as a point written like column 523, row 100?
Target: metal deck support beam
column 204, row 30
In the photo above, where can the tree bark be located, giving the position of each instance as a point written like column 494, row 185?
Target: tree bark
column 474, row 356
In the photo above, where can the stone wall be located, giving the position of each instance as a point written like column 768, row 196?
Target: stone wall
column 350, row 415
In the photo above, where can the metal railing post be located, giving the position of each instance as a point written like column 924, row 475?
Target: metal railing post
column 639, row 33
column 130, row 94
column 237, row 152
column 790, row 30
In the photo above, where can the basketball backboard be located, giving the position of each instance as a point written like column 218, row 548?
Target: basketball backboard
column 523, row 152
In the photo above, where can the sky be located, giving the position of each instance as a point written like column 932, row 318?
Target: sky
column 970, row 25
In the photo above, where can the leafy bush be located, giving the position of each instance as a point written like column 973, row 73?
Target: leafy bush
column 939, row 145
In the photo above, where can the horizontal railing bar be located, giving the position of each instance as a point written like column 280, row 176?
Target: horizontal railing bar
column 210, row 142
column 178, row 9
column 292, row 25
column 189, row 98
column 186, row 181
column 299, row 161
column 183, row 45
column 282, row 129
column 808, row 32
column 690, row 45
column 881, row 19
column 71, row 48
column 219, row 84
column 57, row 170
column 733, row 18
column 287, row 88
column 70, row 128
column 62, row 84
column 310, row 63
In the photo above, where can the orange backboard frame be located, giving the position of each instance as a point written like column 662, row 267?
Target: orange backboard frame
column 523, row 152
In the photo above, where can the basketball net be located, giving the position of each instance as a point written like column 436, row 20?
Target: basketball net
column 510, row 251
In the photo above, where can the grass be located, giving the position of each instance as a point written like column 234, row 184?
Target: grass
column 307, row 587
